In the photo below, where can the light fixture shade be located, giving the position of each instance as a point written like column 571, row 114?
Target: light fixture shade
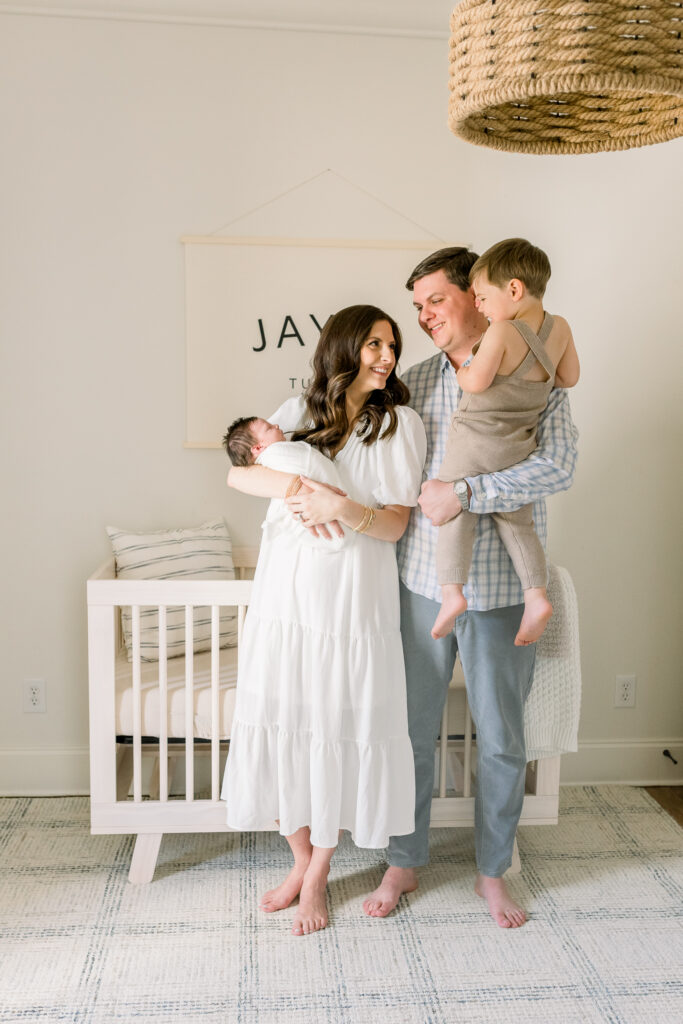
column 566, row 76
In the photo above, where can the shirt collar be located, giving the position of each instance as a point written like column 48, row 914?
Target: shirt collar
column 446, row 364
column 445, row 361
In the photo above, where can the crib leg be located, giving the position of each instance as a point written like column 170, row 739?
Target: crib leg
column 516, row 865
column 144, row 859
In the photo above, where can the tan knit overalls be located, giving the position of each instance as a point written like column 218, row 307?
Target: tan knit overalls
column 491, row 431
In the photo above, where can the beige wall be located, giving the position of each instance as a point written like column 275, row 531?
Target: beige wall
column 118, row 138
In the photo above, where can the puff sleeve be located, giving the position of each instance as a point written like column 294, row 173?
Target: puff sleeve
column 290, row 415
column 400, row 461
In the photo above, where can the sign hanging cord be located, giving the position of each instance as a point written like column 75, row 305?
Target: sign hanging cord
column 308, row 181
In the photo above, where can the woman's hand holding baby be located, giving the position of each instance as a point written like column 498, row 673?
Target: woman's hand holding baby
column 319, row 505
column 323, row 506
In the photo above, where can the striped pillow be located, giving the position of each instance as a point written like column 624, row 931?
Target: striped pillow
column 201, row 554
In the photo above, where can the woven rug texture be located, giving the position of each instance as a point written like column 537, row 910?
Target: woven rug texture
column 604, row 943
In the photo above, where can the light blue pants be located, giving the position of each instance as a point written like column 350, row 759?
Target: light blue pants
column 498, row 676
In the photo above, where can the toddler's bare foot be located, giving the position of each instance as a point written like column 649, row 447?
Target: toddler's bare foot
column 396, row 881
column 503, row 909
column 537, row 611
column 311, row 914
column 453, row 603
column 285, row 893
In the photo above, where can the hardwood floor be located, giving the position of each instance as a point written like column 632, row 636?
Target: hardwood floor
column 670, row 798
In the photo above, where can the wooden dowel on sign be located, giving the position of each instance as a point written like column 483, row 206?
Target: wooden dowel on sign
column 315, row 243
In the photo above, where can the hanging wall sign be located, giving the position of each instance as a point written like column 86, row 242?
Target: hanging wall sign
column 255, row 308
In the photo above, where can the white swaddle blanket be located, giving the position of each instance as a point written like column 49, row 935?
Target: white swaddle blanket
column 305, row 460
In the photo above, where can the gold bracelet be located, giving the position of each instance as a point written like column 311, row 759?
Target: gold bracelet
column 364, row 519
column 369, row 522
column 294, row 486
column 367, row 519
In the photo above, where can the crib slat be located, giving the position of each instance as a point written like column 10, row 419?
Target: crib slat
column 443, row 749
column 163, row 706
column 137, row 711
column 467, row 760
column 189, row 702
column 215, row 702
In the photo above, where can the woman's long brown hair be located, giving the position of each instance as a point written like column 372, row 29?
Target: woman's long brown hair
column 336, row 363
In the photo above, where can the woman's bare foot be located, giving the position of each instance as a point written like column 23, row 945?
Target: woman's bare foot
column 285, row 893
column 311, row 914
column 453, row 603
column 503, row 909
column 537, row 611
column 396, row 881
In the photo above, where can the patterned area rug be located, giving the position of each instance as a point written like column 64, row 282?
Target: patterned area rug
column 604, row 942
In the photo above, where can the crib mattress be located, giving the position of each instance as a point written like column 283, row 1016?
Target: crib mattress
column 176, row 695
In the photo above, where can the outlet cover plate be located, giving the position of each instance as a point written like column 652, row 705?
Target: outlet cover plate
column 625, row 692
column 34, row 696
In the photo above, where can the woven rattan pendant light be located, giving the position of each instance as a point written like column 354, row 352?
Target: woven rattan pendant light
column 566, row 76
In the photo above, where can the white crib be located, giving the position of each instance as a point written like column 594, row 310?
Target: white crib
column 146, row 721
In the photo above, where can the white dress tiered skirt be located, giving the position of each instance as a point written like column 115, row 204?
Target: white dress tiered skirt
column 320, row 733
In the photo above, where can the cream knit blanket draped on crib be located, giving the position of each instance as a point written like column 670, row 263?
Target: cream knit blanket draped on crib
column 551, row 715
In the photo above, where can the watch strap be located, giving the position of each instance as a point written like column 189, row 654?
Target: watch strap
column 460, row 488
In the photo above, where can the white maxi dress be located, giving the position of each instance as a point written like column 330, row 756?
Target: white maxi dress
column 320, row 732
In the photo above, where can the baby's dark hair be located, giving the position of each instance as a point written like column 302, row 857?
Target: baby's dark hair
column 239, row 440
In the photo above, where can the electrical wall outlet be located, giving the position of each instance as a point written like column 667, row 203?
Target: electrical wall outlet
column 34, row 696
column 625, row 692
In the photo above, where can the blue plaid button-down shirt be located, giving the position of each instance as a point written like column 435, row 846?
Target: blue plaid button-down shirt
column 493, row 583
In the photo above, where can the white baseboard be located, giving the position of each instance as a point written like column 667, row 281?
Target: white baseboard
column 65, row 771
column 624, row 762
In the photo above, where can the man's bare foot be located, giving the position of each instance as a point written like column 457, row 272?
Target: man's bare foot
column 311, row 914
column 453, row 603
column 396, row 881
column 285, row 893
column 503, row 909
column 537, row 611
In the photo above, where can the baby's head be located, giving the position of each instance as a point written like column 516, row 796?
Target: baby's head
column 247, row 437
column 505, row 274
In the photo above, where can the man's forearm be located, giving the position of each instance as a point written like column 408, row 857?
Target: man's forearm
column 549, row 469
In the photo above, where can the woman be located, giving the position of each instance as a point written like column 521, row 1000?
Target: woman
column 320, row 736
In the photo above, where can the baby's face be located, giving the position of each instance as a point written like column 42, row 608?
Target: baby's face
column 492, row 301
column 265, row 433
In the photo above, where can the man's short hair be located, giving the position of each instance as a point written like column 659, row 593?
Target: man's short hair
column 515, row 258
column 456, row 262
column 239, row 440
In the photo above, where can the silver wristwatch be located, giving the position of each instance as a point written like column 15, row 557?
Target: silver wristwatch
column 460, row 488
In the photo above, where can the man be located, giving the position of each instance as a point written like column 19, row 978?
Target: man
column 498, row 674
